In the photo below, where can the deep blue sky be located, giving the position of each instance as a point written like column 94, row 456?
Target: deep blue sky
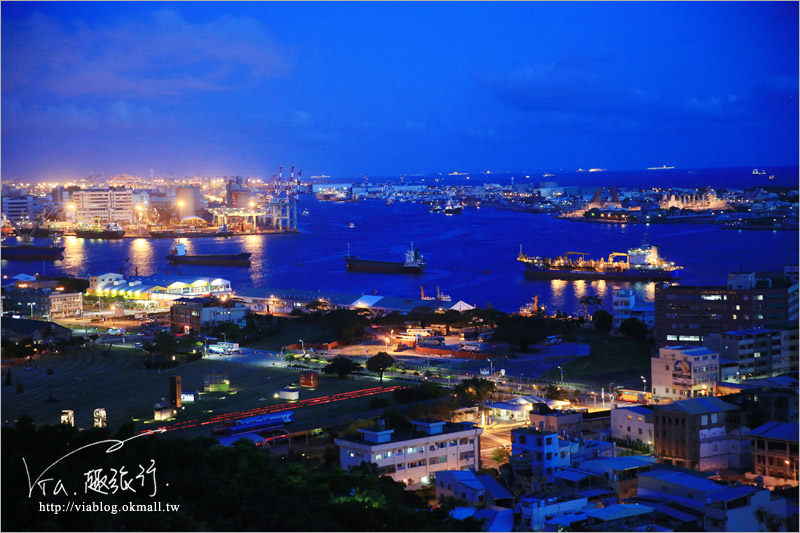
column 388, row 88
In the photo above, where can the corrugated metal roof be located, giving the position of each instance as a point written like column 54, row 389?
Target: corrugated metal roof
column 777, row 431
column 697, row 406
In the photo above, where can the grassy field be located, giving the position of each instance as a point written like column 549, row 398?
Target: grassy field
column 291, row 333
column 88, row 378
column 611, row 358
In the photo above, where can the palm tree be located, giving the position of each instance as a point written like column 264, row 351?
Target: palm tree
column 587, row 301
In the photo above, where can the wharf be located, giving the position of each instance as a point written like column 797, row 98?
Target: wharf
column 205, row 235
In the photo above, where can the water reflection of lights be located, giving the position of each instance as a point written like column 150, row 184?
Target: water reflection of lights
column 557, row 287
column 75, row 256
column 580, row 288
column 257, row 246
column 601, row 287
column 142, row 260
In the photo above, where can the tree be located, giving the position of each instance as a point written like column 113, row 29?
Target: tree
column 476, row 390
column 424, row 314
column 379, row 362
column 500, row 455
column 603, row 321
column 450, row 318
column 341, row 366
column 633, row 328
column 590, row 301
column 520, row 331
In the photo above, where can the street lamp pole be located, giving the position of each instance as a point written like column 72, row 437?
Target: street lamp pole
column 302, row 346
column 562, row 374
column 645, row 383
column 31, row 304
column 794, row 467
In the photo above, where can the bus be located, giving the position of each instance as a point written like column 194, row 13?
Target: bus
column 486, row 337
column 430, row 341
column 422, row 332
column 406, row 337
column 232, row 347
column 629, row 395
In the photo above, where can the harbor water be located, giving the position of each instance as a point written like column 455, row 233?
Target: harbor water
column 471, row 256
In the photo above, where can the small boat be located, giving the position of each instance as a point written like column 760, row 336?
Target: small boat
column 223, row 231
column 305, row 212
column 179, row 256
column 453, row 208
column 352, row 225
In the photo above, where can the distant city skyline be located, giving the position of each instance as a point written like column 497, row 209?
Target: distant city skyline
column 380, row 89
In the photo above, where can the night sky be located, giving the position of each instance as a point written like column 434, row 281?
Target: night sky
column 389, row 88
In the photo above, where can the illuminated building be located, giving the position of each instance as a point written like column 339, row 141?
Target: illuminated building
column 681, row 372
column 414, row 458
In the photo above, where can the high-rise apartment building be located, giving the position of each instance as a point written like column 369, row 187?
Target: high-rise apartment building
column 88, row 206
column 687, row 314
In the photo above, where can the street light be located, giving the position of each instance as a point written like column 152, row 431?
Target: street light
column 562, row 374
column 31, row 304
column 302, row 346
column 794, row 467
column 645, row 383
column 139, row 209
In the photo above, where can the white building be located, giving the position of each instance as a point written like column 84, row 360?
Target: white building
column 18, row 208
column 536, row 511
column 163, row 289
column 625, row 306
column 88, row 206
column 411, row 459
column 632, row 424
column 681, row 372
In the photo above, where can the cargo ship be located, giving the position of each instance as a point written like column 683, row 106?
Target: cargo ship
column 414, row 264
column 637, row 264
column 112, row 230
column 29, row 252
column 178, row 256
column 164, row 234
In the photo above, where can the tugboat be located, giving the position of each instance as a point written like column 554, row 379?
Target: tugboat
column 414, row 263
column 178, row 256
column 112, row 230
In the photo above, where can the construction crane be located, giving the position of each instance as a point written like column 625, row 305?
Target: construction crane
column 618, row 254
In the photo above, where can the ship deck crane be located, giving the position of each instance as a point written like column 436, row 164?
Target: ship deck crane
column 619, row 254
